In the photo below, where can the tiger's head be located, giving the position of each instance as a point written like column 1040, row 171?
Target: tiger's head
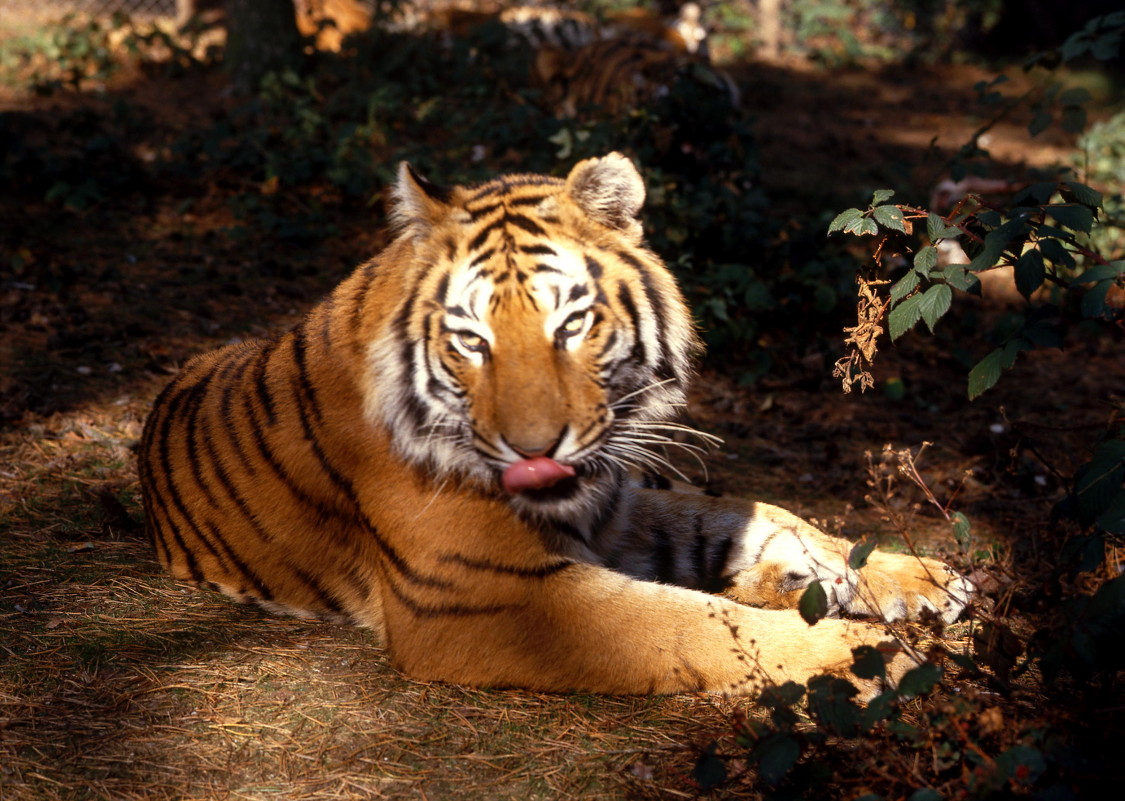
column 538, row 347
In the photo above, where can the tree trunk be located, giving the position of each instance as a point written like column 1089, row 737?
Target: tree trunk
column 769, row 25
column 261, row 38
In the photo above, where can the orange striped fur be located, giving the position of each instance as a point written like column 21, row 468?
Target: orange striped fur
column 350, row 468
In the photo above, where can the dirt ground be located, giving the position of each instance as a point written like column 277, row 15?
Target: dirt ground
column 115, row 682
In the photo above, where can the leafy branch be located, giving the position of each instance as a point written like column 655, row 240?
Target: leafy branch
column 1041, row 236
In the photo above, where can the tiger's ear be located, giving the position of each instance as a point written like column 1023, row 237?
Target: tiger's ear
column 610, row 190
column 416, row 204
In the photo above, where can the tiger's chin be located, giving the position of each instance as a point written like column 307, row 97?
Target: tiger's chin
column 573, row 504
column 562, row 491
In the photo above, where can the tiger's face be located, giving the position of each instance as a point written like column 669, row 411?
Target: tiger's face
column 539, row 346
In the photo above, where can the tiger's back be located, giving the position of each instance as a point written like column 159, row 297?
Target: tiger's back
column 443, row 450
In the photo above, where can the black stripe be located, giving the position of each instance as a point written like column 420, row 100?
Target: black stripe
column 762, row 549
column 656, row 302
column 717, row 580
column 447, row 609
column 664, row 556
column 226, row 416
column 700, row 570
column 370, row 272
column 342, row 484
column 299, row 358
column 480, row 211
column 484, row 233
column 488, row 566
column 625, row 297
column 263, row 591
column 260, row 387
column 610, row 342
column 193, row 432
column 538, row 250
column 194, row 570
column 482, row 257
column 525, row 223
column 529, row 200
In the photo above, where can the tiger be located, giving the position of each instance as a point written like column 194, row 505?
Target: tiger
column 536, row 26
column 451, row 449
column 329, row 22
column 615, row 75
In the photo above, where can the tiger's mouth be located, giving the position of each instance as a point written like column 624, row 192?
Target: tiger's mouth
column 541, row 480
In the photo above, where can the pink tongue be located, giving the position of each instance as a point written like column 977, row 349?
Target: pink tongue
column 535, row 473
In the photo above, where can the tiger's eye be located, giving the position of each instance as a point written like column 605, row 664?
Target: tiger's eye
column 574, row 324
column 471, row 342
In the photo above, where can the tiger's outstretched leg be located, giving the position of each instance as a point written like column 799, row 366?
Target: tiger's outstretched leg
column 766, row 557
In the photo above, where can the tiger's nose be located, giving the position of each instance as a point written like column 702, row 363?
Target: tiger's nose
column 530, row 448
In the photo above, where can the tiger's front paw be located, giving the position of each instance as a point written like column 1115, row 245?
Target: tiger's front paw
column 902, row 587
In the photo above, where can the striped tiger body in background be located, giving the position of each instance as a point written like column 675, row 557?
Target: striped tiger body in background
column 627, row 58
column 616, row 75
column 566, row 28
column 444, row 450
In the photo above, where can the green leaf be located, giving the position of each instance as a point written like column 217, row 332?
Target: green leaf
column 904, row 316
column 882, row 196
column 1072, row 216
column 1029, row 272
column 936, row 228
column 1035, row 194
column 990, row 252
column 960, row 278
column 1083, row 194
column 890, row 217
column 919, row 680
column 830, row 702
column 813, row 604
column 1112, row 519
column 925, row 794
column 934, row 303
column 962, row 529
column 1055, row 252
column 1039, row 123
column 1097, row 482
column 986, row 372
column 844, row 219
column 1093, row 301
column 1100, row 272
column 879, row 708
column 868, row 663
column 710, row 770
column 863, row 227
column 777, row 754
column 857, row 558
column 1074, row 96
column 925, row 260
column 1021, row 756
column 904, row 286
column 1073, row 119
